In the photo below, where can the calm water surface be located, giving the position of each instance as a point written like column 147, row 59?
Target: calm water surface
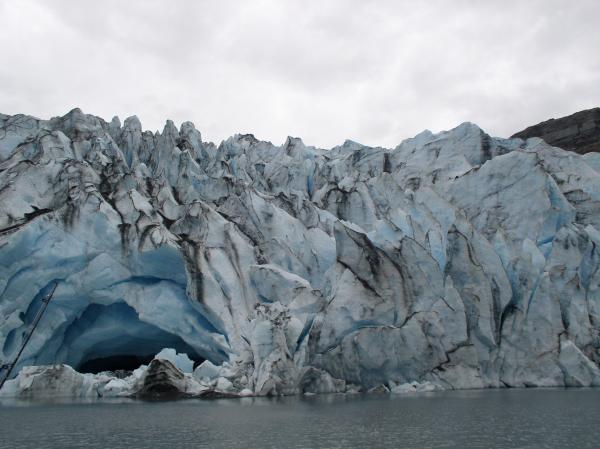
column 553, row 418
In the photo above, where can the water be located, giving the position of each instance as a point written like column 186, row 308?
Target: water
column 552, row 418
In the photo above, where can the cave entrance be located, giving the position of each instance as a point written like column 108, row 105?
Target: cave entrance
column 113, row 338
column 114, row 363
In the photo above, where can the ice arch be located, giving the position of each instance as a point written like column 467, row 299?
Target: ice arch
column 111, row 337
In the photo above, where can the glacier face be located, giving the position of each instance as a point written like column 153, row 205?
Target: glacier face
column 455, row 260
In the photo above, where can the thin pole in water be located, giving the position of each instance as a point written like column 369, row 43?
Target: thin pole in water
column 45, row 301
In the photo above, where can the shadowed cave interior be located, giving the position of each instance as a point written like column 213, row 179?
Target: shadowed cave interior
column 113, row 338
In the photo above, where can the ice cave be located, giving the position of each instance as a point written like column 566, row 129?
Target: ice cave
column 107, row 338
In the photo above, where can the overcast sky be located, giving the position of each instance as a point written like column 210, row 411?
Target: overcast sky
column 328, row 70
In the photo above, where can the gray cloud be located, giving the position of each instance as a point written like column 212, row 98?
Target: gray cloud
column 372, row 71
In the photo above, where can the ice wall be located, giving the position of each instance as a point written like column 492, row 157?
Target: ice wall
column 455, row 258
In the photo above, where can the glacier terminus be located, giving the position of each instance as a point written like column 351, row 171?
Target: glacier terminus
column 455, row 260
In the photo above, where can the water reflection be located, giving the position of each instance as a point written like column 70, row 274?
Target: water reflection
column 553, row 418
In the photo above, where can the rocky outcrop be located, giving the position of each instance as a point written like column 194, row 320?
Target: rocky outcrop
column 455, row 260
column 579, row 132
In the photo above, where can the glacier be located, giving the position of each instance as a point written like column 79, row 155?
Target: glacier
column 455, row 260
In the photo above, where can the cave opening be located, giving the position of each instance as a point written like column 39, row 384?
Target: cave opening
column 114, row 363
column 113, row 338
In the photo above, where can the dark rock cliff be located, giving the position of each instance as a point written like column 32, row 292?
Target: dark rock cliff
column 579, row 132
